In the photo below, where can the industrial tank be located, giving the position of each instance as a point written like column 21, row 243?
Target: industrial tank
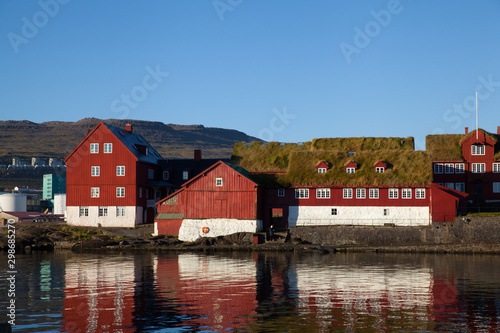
column 13, row 202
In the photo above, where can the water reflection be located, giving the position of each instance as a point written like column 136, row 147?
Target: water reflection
column 255, row 292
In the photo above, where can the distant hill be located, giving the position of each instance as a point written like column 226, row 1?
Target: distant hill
column 25, row 139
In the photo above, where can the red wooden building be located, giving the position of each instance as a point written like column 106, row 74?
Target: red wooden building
column 221, row 200
column 108, row 177
column 476, row 171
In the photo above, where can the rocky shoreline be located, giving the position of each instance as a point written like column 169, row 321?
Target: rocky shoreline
column 53, row 236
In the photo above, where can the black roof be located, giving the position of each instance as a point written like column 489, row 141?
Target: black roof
column 176, row 167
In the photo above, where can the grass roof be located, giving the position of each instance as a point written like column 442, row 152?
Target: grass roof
column 295, row 164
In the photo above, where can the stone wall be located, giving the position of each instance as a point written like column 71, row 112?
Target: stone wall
column 473, row 230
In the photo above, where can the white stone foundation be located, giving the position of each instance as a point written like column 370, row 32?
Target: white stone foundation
column 133, row 216
column 193, row 229
column 348, row 215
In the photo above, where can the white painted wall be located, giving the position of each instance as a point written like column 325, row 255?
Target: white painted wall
column 191, row 229
column 133, row 216
column 361, row 215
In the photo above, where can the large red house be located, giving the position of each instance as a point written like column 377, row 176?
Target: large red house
column 473, row 166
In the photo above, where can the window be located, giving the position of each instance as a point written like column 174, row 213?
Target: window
column 348, row 193
column 477, row 167
column 108, row 148
column 120, row 211
column 140, row 192
column 477, row 149
column 438, row 168
column 96, row 171
column 120, row 170
column 84, row 211
column 94, row 192
column 460, row 187
column 393, row 193
column 360, row 193
column 321, row 170
column 379, row 169
column 166, row 175
column 496, row 187
column 350, row 170
column 103, row 211
column 151, row 174
column 386, row 211
column 120, row 192
column 459, row 168
column 420, row 193
column 94, row 148
column 373, row 192
column 281, row 192
column 351, row 153
column 496, row 167
column 450, row 185
column 406, row 193
column 302, row 193
column 185, row 175
column 334, row 211
column 218, row 181
column 449, row 168
column 323, row 193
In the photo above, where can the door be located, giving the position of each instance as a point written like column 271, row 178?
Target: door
column 478, row 194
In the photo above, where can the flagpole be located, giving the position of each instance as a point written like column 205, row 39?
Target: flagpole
column 477, row 126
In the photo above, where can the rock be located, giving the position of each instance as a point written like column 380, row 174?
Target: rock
column 58, row 236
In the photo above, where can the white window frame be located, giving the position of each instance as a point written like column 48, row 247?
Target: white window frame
column 321, row 170
column 185, row 175
column 393, row 193
column 420, row 193
column 373, row 193
column 94, row 148
column 460, row 187
column 406, row 193
column 95, row 171
column 438, row 168
column 301, row 193
column 103, row 211
column 350, row 170
column 361, row 193
column 379, row 169
column 83, row 211
column 120, row 170
column 477, row 149
column 496, row 187
column 120, row 192
column 335, row 211
column 459, row 168
column 323, row 193
column 95, row 192
column 120, row 211
column 347, row 193
column 478, row 167
column 449, row 168
column 281, row 192
column 219, row 182
column 108, row 148
column 495, row 167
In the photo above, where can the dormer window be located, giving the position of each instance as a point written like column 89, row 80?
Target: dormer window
column 351, row 153
column 477, row 149
column 350, row 167
column 350, row 170
column 322, row 167
column 321, row 170
column 379, row 169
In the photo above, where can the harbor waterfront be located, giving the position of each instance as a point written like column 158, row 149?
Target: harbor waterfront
column 146, row 291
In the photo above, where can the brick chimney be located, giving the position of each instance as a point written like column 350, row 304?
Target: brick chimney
column 197, row 155
column 128, row 128
column 466, row 130
column 498, row 130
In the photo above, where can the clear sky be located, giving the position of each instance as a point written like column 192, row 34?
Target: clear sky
column 281, row 70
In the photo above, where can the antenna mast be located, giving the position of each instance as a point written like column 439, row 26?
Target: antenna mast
column 477, row 126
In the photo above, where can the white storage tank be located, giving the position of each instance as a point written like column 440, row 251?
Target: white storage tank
column 13, row 202
column 60, row 204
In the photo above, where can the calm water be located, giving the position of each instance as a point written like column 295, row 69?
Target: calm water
column 248, row 292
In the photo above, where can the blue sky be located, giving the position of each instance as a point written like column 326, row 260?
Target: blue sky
column 281, row 70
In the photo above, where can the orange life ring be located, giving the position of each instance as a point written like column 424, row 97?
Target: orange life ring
column 205, row 230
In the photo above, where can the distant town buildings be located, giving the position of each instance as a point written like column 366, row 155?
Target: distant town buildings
column 36, row 162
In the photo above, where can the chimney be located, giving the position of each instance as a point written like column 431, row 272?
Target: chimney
column 498, row 130
column 128, row 128
column 466, row 130
column 197, row 155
